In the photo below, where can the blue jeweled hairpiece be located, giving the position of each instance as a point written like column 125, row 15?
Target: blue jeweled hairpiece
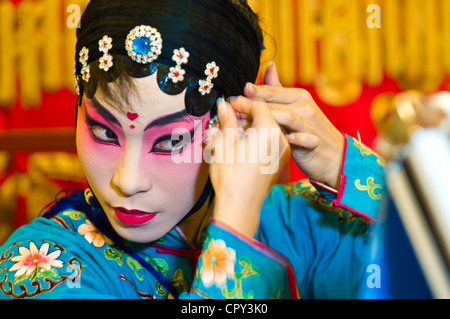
column 143, row 44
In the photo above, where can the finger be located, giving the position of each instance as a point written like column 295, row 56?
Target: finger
column 244, row 124
column 307, row 112
column 255, row 110
column 291, row 121
column 277, row 94
column 271, row 77
column 241, row 116
column 304, row 140
column 227, row 116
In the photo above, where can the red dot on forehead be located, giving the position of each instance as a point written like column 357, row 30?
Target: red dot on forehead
column 132, row 127
column 132, row 116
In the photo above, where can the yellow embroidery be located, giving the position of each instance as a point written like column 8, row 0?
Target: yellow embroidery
column 370, row 187
column 179, row 282
column 306, row 190
column 87, row 195
column 367, row 151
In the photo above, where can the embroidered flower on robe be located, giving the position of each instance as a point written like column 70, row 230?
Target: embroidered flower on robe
column 217, row 263
column 93, row 235
column 32, row 259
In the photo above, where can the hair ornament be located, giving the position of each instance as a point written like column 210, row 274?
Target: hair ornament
column 104, row 45
column 143, row 44
column 180, row 56
column 211, row 131
column 76, row 83
column 212, row 71
column 85, row 71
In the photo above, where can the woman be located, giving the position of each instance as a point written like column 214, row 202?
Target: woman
column 161, row 221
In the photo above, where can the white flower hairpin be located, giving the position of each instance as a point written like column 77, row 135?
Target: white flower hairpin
column 85, row 71
column 180, row 56
column 212, row 71
column 144, row 45
column 106, row 61
column 76, row 83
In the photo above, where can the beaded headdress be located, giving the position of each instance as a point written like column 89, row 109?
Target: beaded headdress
column 211, row 48
column 144, row 45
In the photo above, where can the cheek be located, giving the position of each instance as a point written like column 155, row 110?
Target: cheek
column 166, row 171
column 178, row 183
column 92, row 156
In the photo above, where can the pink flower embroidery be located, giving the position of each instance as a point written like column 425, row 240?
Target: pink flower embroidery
column 218, row 263
column 32, row 259
column 93, row 235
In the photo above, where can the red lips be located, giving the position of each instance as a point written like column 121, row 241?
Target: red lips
column 133, row 217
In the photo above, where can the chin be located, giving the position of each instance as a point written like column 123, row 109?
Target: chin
column 138, row 235
column 143, row 233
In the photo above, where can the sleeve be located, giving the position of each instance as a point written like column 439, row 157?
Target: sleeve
column 324, row 232
column 42, row 261
column 232, row 266
column 361, row 181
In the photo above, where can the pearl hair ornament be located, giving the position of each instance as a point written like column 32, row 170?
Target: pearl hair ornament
column 144, row 45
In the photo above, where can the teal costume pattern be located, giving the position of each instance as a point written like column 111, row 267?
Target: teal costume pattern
column 312, row 242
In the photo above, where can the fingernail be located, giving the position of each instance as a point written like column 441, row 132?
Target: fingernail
column 291, row 137
column 250, row 89
column 221, row 106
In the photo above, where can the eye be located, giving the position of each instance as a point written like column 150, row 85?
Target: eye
column 169, row 144
column 103, row 134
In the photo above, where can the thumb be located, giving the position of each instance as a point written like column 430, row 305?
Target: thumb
column 227, row 116
column 271, row 76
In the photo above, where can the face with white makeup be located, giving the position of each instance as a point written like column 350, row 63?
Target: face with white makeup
column 127, row 160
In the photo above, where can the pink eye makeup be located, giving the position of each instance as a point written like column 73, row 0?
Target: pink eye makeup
column 100, row 132
column 166, row 135
column 167, row 145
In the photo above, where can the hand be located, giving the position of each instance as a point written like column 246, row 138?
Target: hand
column 246, row 162
column 316, row 145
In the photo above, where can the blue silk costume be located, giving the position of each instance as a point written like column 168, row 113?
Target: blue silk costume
column 312, row 242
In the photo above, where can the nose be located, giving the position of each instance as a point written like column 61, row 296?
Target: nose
column 129, row 177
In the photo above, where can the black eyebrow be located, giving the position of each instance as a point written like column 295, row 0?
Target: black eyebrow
column 104, row 112
column 168, row 119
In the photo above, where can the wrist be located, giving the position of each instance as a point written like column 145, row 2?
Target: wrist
column 334, row 176
column 244, row 218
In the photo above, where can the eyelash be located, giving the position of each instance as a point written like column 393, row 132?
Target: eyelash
column 93, row 126
column 164, row 138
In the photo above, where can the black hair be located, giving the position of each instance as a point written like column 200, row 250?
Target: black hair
column 224, row 31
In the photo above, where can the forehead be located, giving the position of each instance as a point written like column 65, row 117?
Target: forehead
column 145, row 99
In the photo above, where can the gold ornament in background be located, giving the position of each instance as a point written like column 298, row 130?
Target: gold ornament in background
column 5, row 160
column 37, row 46
column 38, row 186
column 397, row 116
column 341, row 45
column 7, row 54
